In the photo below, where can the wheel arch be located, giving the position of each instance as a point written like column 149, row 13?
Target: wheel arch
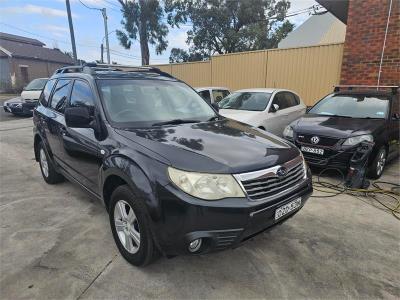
column 36, row 141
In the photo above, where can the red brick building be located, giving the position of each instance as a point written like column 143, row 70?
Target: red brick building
column 366, row 50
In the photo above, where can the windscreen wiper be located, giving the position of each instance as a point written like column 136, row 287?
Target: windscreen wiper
column 175, row 122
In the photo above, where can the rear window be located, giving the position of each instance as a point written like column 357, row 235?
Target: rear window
column 354, row 106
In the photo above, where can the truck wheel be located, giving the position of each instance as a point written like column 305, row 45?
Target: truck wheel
column 130, row 227
column 50, row 175
column 378, row 165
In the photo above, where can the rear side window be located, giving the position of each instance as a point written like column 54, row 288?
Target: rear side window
column 218, row 95
column 44, row 97
column 82, row 95
column 291, row 100
column 60, row 95
column 205, row 95
column 286, row 100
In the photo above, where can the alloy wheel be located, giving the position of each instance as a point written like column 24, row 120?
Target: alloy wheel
column 127, row 226
column 43, row 163
column 381, row 162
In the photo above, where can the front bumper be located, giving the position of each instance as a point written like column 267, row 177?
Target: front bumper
column 220, row 224
column 20, row 108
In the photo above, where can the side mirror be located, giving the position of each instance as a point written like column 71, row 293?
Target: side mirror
column 215, row 106
column 308, row 108
column 274, row 107
column 78, row 117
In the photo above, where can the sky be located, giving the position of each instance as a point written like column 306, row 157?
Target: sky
column 46, row 20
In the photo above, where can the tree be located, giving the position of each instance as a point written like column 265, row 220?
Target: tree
column 142, row 20
column 227, row 26
column 179, row 55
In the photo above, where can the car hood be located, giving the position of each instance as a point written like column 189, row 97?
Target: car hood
column 244, row 116
column 223, row 146
column 31, row 95
column 335, row 126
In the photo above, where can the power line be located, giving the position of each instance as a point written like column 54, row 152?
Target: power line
column 89, row 7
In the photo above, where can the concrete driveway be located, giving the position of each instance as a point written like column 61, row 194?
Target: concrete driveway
column 56, row 243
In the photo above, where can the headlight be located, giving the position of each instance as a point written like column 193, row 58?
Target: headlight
column 206, row 186
column 304, row 166
column 288, row 132
column 354, row 140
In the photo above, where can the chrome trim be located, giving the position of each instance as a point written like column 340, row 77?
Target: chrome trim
column 271, row 173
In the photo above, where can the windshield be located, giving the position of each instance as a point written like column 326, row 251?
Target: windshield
column 255, row 101
column 36, row 84
column 143, row 103
column 354, row 106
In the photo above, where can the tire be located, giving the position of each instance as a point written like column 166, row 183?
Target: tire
column 134, row 241
column 378, row 165
column 50, row 175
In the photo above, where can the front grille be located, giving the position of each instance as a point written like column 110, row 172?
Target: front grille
column 323, row 140
column 332, row 158
column 270, row 184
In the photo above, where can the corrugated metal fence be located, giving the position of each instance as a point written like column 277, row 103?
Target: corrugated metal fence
column 309, row 71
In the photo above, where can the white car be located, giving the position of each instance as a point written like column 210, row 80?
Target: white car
column 213, row 94
column 33, row 90
column 269, row 109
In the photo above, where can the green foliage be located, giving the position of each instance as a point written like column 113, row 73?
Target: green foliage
column 142, row 20
column 179, row 55
column 227, row 26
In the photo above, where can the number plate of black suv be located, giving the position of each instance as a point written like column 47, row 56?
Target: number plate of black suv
column 312, row 150
column 287, row 208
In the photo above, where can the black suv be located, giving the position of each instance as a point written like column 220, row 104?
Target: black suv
column 175, row 177
column 328, row 135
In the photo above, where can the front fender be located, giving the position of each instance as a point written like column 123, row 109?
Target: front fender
column 141, row 180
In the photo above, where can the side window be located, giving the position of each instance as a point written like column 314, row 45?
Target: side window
column 206, row 95
column 60, row 95
column 218, row 95
column 290, row 100
column 280, row 99
column 44, row 97
column 82, row 95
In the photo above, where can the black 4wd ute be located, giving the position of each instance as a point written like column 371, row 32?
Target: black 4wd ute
column 174, row 176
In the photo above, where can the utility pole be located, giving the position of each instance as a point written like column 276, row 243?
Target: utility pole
column 71, row 31
column 104, row 12
column 102, row 50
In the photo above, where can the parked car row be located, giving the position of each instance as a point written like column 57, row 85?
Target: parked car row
column 180, row 175
column 330, row 131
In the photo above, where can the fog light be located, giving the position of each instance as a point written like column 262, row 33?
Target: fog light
column 195, row 245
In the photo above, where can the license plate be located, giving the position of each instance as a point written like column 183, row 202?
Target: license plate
column 312, row 150
column 287, row 208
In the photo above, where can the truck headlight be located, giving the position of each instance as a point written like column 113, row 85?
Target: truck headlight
column 288, row 132
column 354, row 140
column 206, row 186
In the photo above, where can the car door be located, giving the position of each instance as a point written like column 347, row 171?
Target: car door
column 54, row 117
column 275, row 121
column 80, row 147
column 394, row 125
column 295, row 108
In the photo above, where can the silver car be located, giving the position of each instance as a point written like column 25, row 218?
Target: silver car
column 267, row 108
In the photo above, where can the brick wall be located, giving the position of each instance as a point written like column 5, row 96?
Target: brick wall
column 365, row 34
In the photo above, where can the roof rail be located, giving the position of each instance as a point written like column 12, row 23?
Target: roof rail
column 394, row 88
column 92, row 68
